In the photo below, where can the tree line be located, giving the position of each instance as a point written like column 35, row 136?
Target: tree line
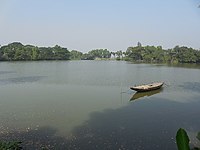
column 152, row 54
column 157, row 54
column 17, row 51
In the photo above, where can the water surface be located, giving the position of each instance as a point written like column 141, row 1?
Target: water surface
column 87, row 104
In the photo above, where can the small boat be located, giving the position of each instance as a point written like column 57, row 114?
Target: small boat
column 139, row 95
column 148, row 87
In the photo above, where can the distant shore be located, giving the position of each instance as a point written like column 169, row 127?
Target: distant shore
column 16, row 51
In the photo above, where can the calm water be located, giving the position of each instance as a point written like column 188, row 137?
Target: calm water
column 88, row 105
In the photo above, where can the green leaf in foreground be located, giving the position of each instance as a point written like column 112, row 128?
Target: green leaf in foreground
column 198, row 136
column 182, row 140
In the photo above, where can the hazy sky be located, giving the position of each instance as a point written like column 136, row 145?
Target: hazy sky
column 90, row 24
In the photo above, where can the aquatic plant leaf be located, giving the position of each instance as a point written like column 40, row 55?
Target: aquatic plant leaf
column 198, row 136
column 182, row 140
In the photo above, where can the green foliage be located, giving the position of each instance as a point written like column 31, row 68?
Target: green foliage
column 97, row 53
column 18, row 51
column 60, row 53
column 8, row 52
column 182, row 140
column 119, row 55
column 198, row 136
column 159, row 55
column 75, row 55
column 185, row 54
column 10, row 145
column 87, row 57
column 150, row 54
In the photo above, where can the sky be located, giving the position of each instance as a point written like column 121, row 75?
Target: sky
column 92, row 24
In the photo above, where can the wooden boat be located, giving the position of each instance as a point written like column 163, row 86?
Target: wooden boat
column 148, row 87
column 139, row 95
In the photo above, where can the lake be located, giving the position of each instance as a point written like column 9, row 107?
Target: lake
column 88, row 105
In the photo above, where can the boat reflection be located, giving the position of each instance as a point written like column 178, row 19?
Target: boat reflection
column 138, row 95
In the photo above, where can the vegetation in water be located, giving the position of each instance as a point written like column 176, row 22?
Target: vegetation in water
column 182, row 140
column 14, row 145
column 151, row 54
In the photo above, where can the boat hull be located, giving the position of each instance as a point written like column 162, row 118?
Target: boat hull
column 148, row 87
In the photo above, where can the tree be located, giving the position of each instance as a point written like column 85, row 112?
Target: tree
column 60, row 53
column 98, row 53
column 112, row 53
column 106, row 53
column 134, row 53
column 75, row 55
column 139, row 44
column 10, row 49
column 119, row 54
column 185, row 54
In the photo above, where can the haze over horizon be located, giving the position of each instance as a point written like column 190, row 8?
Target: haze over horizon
column 114, row 24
